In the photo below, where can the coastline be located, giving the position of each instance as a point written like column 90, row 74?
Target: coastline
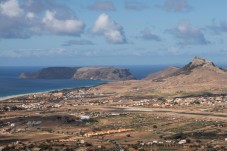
column 48, row 91
column 19, row 95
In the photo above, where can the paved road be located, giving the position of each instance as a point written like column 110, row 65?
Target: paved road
column 168, row 111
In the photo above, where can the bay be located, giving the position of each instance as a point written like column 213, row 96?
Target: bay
column 11, row 84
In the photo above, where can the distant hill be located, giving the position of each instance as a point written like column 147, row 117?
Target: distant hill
column 80, row 73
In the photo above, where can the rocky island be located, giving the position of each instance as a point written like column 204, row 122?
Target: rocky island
column 81, row 73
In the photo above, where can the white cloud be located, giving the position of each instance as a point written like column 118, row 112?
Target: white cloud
column 112, row 31
column 30, row 15
column 68, row 26
column 11, row 8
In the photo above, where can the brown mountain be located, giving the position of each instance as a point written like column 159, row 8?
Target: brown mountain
column 198, row 76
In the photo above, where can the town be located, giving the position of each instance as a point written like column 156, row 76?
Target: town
column 83, row 119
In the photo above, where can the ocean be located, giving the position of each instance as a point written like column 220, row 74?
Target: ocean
column 11, row 84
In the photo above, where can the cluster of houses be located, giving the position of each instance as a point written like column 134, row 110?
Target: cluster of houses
column 183, row 101
column 42, row 105
column 203, row 100
column 180, row 101
column 180, row 142
column 83, row 93
column 33, row 106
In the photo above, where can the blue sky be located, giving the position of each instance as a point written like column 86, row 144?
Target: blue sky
column 117, row 32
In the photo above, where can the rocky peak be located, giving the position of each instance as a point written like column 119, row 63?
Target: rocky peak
column 200, row 62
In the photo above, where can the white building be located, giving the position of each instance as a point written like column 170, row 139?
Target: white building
column 85, row 117
column 183, row 141
column 12, row 125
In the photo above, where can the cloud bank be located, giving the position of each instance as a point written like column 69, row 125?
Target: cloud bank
column 78, row 42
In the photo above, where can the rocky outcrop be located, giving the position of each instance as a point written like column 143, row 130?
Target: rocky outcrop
column 81, row 73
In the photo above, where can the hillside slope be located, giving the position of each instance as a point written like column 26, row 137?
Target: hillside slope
column 162, row 74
